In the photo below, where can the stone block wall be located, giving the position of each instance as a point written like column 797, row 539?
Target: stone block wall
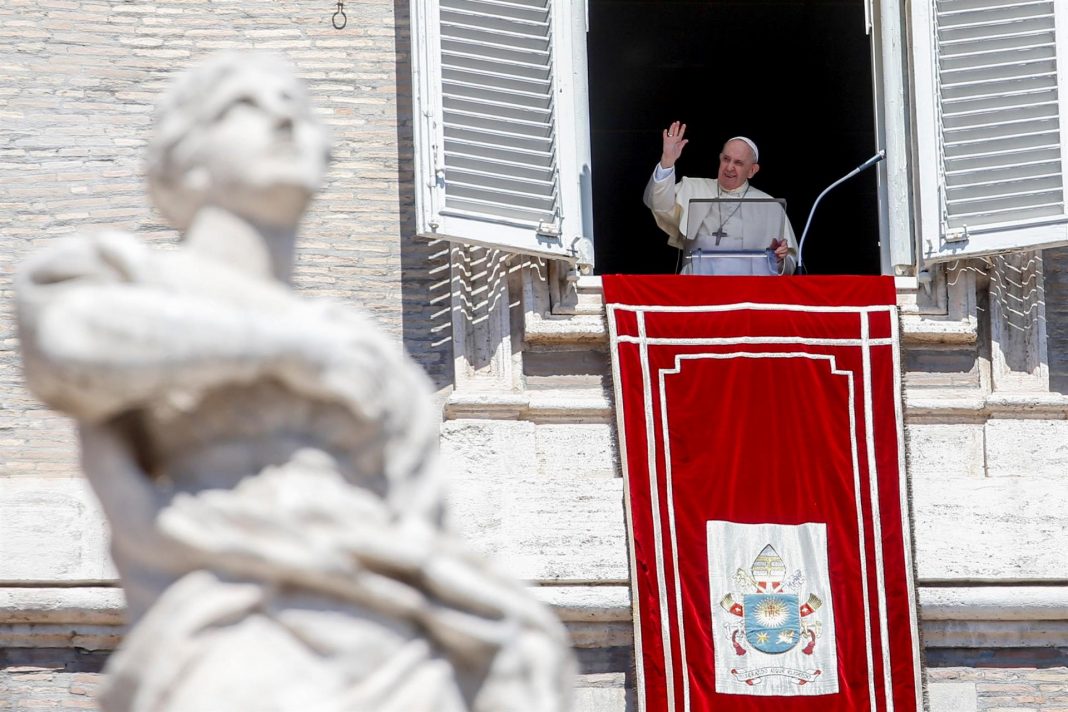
column 77, row 94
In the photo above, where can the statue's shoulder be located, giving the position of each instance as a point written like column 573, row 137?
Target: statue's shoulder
column 109, row 256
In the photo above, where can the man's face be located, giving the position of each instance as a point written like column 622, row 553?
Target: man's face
column 736, row 165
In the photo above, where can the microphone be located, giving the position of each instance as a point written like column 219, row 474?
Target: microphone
column 862, row 167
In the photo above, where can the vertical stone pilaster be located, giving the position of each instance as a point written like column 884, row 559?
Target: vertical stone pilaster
column 1018, row 324
column 482, row 323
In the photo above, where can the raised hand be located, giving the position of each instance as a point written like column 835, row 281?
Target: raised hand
column 673, row 144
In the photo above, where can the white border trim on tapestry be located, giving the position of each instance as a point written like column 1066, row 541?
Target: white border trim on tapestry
column 865, row 342
column 906, row 525
column 679, row 358
column 876, row 513
column 621, row 434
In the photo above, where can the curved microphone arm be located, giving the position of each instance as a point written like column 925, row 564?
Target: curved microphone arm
column 863, row 166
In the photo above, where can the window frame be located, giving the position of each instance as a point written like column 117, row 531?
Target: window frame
column 570, row 237
column 935, row 242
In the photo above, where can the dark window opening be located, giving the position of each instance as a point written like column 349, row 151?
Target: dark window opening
column 793, row 75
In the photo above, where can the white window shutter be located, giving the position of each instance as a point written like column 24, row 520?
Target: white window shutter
column 502, row 140
column 999, row 73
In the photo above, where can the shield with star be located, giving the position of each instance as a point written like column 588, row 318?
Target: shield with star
column 772, row 621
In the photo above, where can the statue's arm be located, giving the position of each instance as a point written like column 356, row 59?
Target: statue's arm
column 107, row 325
column 103, row 329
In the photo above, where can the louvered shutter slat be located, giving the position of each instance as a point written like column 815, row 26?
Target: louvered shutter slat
column 1000, row 145
column 460, row 46
column 992, row 87
column 952, row 9
column 533, row 11
column 990, row 179
column 965, row 192
column 474, row 207
column 470, row 119
column 504, row 168
column 508, row 67
column 504, row 155
column 979, row 66
column 1035, row 117
column 526, row 186
column 1010, row 102
column 1005, row 47
column 521, row 114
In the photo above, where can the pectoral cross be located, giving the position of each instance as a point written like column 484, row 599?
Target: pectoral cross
column 719, row 235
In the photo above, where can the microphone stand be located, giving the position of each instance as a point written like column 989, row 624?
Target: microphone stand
column 862, row 167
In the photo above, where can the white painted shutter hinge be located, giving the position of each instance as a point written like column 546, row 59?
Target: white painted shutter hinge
column 957, row 234
column 549, row 229
column 438, row 178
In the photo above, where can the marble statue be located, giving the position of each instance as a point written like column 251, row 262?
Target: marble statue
column 266, row 462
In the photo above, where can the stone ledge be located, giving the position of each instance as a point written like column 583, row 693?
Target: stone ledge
column 548, row 406
column 1001, row 603
column 486, row 406
column 591, row 406
column 569, row 407
column 957, row 617
column 589, row 329
column 918, row 329
column 994, row 634
column 936, row 603
column 97, row 605
column 586, row 328
column 944, row 403
column 91, row 618
column 584, row 604
column 84, row 637
column 595, row 616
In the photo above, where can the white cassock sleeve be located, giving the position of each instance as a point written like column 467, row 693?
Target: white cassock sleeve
column 660, row 199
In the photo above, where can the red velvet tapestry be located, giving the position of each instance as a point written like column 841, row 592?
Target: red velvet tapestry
column 760, row 426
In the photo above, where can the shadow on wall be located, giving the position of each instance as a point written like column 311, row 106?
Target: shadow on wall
column 426, row 318
column 1055, row 284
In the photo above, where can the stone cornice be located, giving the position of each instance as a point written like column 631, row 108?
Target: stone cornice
column 596, row 616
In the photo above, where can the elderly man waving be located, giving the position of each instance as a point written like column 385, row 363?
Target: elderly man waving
column 727, row 235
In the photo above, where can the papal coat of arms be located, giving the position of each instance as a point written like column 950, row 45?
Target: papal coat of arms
column 771, row 616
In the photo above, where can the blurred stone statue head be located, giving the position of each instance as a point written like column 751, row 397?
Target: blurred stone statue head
column 237, row 132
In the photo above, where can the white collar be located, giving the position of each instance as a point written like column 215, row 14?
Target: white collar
column 740, row 190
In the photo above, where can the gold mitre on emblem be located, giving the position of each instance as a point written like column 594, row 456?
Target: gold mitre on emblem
column 768, row 570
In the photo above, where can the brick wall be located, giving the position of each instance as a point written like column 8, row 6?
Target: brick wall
column 49, row 679
column 76, row 98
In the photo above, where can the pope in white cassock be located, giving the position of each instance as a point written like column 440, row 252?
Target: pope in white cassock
column 746, row 219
